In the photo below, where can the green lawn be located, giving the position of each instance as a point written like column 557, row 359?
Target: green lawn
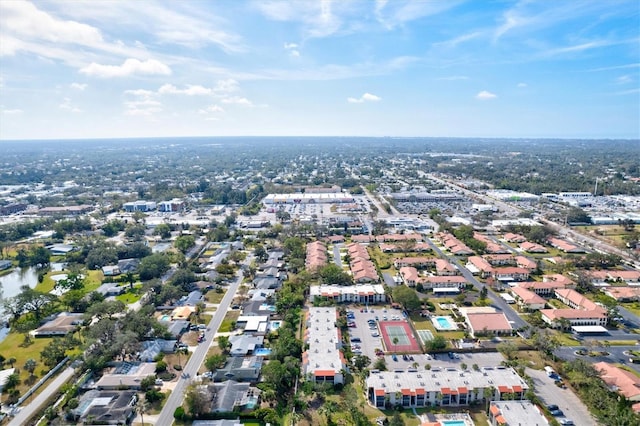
column 230, row 318
column 11, row 347
column 128, row 298
column 213, row 296
column 92, row 282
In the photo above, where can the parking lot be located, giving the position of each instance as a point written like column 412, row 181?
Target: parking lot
column 566, row 400
column 490, row 359
column 369, row 335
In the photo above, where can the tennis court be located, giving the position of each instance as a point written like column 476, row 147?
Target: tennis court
column 425, row 335
column 398, row 337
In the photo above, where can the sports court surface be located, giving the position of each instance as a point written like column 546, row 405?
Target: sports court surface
column 398, row 337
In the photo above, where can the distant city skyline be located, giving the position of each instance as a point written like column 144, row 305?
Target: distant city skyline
column 504, row 69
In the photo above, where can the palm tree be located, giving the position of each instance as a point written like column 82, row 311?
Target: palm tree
column 30, row 366
column 142, row 406
column 11, row 361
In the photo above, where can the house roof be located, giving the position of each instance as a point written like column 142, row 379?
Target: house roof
column 528, row 297
column 496, row 321
column 625, row 382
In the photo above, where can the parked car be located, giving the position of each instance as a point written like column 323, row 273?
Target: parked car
column 552, row 407
column 557, row 413
column 394, row 357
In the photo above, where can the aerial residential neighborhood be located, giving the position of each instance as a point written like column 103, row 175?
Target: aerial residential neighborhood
column 280, row 307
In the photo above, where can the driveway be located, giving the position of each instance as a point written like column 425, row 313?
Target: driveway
column 617, row 355
column 565, row 399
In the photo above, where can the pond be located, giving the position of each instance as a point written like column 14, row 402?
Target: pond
column 10, row 284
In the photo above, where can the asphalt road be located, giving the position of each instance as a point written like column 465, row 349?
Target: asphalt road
column 336, row 255
column 616, row 355
column 496, row 301
column 566, row 400
column 197, row 357
column 39, row 401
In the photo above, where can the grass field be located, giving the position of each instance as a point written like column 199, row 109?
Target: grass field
column 11, row 347
column 230, row 318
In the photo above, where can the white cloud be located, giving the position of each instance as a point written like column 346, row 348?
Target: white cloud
column 129, row 67
column 236, row 100
column 78, row 86
column 24, row 19
column 191, row 90
column 68, row 106
column 293, row 49
column 140, row 92
column 212, row 112
column 367, row 97
column 228, row 85
column 10, row 111
column 624, row 79
column 485, row 95
column 522, row 85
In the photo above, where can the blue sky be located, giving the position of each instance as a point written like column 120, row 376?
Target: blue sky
column 476, row 68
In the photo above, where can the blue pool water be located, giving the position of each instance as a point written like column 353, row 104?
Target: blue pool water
column 275, row 325
column 444, row 323
column 262, row 352
column 453, row 422
column 165, row 318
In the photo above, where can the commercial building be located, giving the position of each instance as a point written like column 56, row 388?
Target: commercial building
column 323, row 361
column 139, row 206
column 443, row 387
column 299, row 198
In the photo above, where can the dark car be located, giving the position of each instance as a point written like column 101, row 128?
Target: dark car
column 557, row 413
column 451, row 355
column 552, row 407
column 394, row 357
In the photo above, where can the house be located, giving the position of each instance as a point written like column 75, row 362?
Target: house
column 505, row 413
column 510, row 273
column 222, row 422
column 231, row 396
column 110, row 289
column 176, row 328
column 446, row 281
column 479, row 266
column 623, row 294
column 126, row 375
column 316, row 256
column 488, row 323
column 63, row 324
column 565, row 246
column 128, row 265
column 544, row 289
column 150, row 349
column 527, row 299
column 510, row 237
column 257, row 308
column 240, row 369
column 530, row 247
column 409, row 275
column 245, row 344
column 442, row 386
column 182, row 312
column 526, row 263
column 266, row 283
column 624, row 382
column 110, row 270
column 556, row 317
column 416, row 262
column 256, row 324
column 500, row 259
column 575, row 300
column 60, row 249
column 192, row 299
column 106, row 407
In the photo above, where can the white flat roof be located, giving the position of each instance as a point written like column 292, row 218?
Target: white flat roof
column 446, row 290
column 589, row 329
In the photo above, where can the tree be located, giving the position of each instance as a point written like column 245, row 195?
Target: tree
column 396, row 420
column 11, row 361
column 153, row 266
column 508, row 349
column 545, row 341
column 380, row 364
column 438, row 342
column 163, row 230
column 184, row 243
column 406, row 297
column 74, row 281
column 484, row 292
column 197, row 400
column 13, row 381
column 215, row 361
column 224, row 343
column 141, row 408
column 361, row 361
column 333, row 274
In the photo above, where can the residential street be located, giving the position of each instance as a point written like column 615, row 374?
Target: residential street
column 197, row 358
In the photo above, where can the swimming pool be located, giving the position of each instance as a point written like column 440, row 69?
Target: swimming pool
column 165, row 318
column 262, row 352
column 453, row 422
column 275, row 325
column 444, row 323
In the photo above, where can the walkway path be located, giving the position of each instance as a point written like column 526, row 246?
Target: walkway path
column 43, row 397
